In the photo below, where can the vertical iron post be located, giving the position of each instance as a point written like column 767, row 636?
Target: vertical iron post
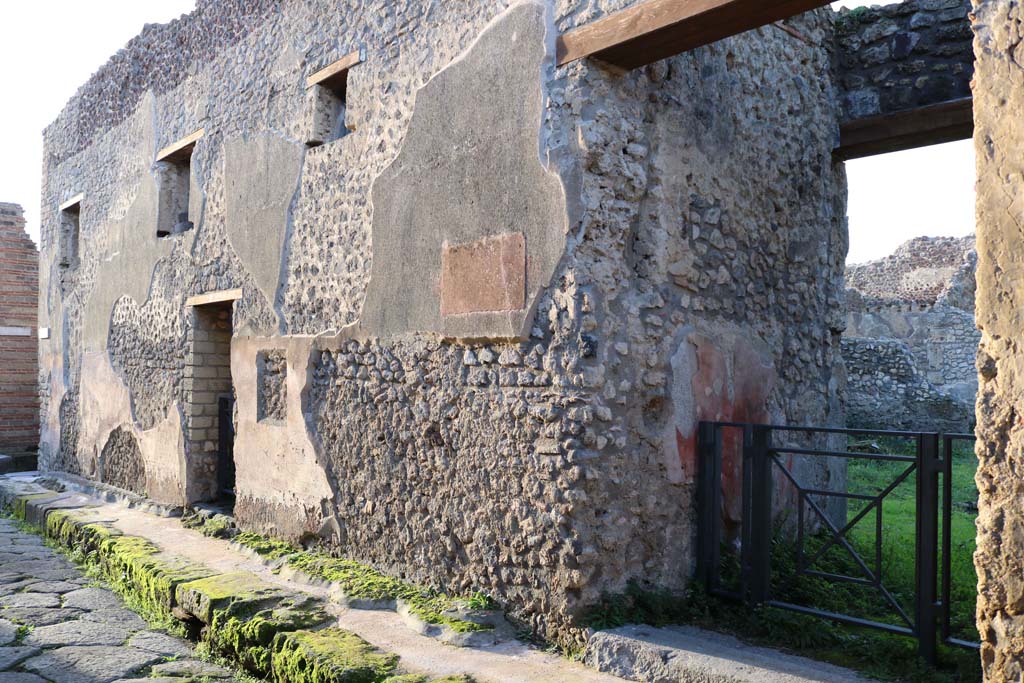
column 928, row 468
column 707, row 510
column 761, row 513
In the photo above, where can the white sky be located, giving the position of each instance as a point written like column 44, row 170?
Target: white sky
column 50, row 48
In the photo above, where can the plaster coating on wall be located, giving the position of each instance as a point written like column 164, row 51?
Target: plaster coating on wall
column 524, row 448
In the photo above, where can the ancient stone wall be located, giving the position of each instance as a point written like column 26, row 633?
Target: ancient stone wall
column 19, row 272
column 903, row 55
column 484, row 356
column 998, row 139
column 915, row 306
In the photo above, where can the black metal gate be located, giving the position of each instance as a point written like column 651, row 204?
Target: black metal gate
column 765, row 459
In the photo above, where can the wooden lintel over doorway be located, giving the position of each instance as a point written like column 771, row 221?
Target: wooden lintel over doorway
column 220, row 296
column 932, row 124
column 655, row 29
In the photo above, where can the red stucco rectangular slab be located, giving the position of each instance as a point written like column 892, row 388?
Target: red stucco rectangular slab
column 485, row 275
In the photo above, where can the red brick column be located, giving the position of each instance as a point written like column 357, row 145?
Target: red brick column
column 19, row 287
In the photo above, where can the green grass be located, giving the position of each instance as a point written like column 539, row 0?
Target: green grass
column 875, row 653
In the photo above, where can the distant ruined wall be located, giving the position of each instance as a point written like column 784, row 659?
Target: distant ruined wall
column 903, row 55
column 474, row 360
column 998, row 140
column 19, row 281
column 915, row 307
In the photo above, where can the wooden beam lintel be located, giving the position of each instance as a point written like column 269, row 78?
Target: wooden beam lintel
column 932, row 124
column 655, row 29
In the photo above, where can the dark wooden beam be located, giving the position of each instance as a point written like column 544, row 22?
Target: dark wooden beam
column 929, row 125
column 656, row 29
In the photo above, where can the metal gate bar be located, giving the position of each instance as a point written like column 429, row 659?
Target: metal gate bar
column 930, row 621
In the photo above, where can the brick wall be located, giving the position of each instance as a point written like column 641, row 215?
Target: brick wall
column 207, row 379
column 19, row 286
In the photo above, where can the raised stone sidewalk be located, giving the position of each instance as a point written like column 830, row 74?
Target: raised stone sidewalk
column 57, row 625
column 274, row 623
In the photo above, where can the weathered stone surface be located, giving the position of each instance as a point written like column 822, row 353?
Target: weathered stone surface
column 20, row 677
column 92, row 599
column 910, row 342
column 77, row 633
column 122, row 617
column 89, row 664
column 8, row 632
column 903, row 55
column 31, row 600
column 644, row 653
column 999, row 137
column 40, row 616
column 11, row 656
column 191, row 667
column 160, row 643
column 59, row 587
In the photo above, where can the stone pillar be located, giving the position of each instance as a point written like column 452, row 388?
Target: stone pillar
column 19, row 286
column 999, row 141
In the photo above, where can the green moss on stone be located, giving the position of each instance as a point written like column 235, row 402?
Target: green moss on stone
column 358, row 581
column 329, row 656
column 21, row 504
column 243, row 614
column 268, row 548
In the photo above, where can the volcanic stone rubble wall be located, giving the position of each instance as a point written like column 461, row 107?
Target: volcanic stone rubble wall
column 903, row 55
column 911, row 341
column 502, row 300
column 19, row 272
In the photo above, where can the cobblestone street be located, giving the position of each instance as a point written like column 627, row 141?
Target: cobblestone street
column 57, row 625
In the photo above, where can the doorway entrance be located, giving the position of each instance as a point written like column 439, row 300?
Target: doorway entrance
column 210, row 405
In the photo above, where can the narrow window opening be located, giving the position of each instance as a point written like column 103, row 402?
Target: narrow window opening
column 328, row 90
column 174, row 179
column 69, row 241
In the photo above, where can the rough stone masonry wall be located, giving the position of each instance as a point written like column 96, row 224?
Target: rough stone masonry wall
column 998, row 139
column 914, row 307
column 496, row 348
column 903, row 55
column 19, row 273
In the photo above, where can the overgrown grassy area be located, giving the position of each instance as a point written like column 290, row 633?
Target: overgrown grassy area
column 877, row 654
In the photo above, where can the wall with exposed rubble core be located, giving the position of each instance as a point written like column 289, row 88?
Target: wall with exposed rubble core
column 474, row 360
column 903, row 55
column 998, row 139
column 911, row 340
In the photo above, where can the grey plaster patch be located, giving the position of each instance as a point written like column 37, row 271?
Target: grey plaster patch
column 31, row 600
column 451, row 152
column 92, row 599
column 262, row 176
column 161, row 644
column 11, row 656
column 77, row 633
column 91, row 664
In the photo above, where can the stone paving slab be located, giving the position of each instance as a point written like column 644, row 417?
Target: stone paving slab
column 682, row 654
column 90, row 664
column 79, row 634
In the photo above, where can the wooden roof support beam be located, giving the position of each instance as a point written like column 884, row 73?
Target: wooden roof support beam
column 933, row 124
column 655, row 29
column 182, row 149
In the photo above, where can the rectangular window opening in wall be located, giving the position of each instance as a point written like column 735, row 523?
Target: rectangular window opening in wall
column 69, row 241
column 272, row 386
column 174, row 179
column 328, row 89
